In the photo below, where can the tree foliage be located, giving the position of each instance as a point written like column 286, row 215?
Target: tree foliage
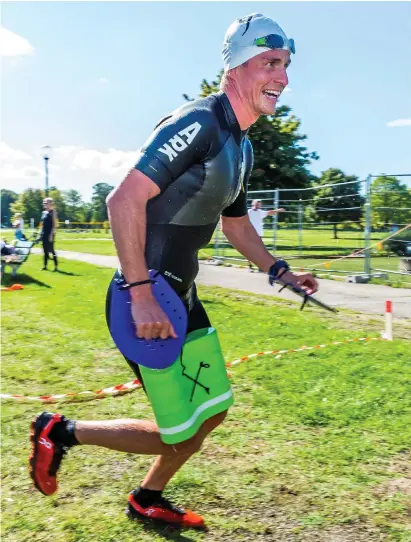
column 338, row 203
column 390, row 201
column 7, row 198
column 29, row 204
column 98, row 201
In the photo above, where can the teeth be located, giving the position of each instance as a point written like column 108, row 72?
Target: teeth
column 275, row 93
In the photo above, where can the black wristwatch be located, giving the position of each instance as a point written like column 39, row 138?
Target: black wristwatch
column 276, row 267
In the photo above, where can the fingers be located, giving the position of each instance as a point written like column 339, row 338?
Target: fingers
column 155, row 330
column 308, row 283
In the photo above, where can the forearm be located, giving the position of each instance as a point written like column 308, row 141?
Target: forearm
column 245, row 239
column 128, row 225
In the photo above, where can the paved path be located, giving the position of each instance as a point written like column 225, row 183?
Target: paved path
column 367, row 298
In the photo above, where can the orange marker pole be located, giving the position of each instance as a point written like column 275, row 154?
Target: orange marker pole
column 388, row 320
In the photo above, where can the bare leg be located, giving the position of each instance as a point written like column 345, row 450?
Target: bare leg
column 164, row 467
column 130, row 436
column 143, row 437
column 139, row 436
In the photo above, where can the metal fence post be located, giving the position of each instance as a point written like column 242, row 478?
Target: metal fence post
column 300, row 227
column 367, row 231
column 275, row 219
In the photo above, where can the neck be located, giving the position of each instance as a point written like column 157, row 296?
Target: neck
column 245, row 115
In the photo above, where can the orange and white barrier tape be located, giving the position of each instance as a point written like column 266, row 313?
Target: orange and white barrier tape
column 106, row 392
column 121, row 389
column 279, row 353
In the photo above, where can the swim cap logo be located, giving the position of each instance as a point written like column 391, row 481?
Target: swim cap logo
column 177, row 144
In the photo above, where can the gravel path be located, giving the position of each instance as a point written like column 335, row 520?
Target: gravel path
column 367, row 298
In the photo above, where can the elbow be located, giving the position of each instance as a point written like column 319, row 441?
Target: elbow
column 115, row 199
column 232, row 226
column 110, row 199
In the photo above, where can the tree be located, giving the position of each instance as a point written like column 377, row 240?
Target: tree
column 30, row 204
column 338, row 203
column 280, row 161
column 59, row 203
column 74, row 206
column 98, row 201
column 7, row 198
column 390, row 201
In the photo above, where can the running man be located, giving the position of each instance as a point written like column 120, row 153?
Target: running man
column 193, row 169
column 256, row 216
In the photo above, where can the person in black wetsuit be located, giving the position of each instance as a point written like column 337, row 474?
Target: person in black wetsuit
column 191, row 171
column 48, row 232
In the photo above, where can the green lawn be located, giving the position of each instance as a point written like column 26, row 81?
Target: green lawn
column 316, row 448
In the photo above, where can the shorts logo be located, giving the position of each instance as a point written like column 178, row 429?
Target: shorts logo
column 177, row 144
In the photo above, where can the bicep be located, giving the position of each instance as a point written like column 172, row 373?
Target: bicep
column 135, row 186
column 234, row 223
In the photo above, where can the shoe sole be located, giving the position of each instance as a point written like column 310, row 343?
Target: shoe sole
column 34, row 436
column 133, row 515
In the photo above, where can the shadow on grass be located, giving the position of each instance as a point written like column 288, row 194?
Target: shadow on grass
column 22, row 278
column 67, row 273
column 168, row 532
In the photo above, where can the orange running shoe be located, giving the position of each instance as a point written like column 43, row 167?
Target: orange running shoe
column 162, row 510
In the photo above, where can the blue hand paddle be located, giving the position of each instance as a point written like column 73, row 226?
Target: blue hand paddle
column 155, row 353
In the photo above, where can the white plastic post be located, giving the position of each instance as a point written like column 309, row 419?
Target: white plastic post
column 388, row 320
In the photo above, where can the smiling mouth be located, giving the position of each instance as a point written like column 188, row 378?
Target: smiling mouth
column 272, row 94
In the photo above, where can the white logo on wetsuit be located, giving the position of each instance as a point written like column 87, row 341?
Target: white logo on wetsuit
column 177, row 143
column 168, row 274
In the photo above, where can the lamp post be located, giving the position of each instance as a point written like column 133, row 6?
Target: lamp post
column 46, row 149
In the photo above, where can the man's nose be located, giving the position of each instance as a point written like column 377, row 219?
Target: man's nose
column 282, row 78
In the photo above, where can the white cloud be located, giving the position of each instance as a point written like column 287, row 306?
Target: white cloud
column 399, row 122
column 71, row 166
column 287, row 89
column 12, row 44
column 9, row 154
column 108, row 162
column 103, row 80
column 10, row 173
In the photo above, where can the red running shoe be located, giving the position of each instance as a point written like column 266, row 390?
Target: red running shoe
column 162, row 510
column 46, row 455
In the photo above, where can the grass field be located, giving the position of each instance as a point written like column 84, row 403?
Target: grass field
column 318, row 244
column 316, row 448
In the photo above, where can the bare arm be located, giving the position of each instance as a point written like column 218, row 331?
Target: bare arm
column 275, row 212
column 242, row 235
column 127, row 214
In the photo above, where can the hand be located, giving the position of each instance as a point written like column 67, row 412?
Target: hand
column 150, row 320
column 305, row 281
column 51, row 237
column 282, row 210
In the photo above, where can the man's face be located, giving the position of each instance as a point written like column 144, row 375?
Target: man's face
column 262, row 80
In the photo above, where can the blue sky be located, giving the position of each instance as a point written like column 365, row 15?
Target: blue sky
column 91, row 79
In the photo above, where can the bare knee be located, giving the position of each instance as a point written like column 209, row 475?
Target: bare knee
column 193, row 445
